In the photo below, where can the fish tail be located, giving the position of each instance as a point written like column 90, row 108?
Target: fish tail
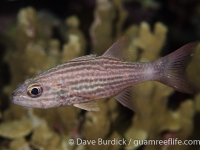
column 170, row 69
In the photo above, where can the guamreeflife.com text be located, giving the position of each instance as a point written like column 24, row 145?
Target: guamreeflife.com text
column 123, row 141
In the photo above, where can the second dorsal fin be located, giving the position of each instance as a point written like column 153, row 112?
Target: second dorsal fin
column 119, row 50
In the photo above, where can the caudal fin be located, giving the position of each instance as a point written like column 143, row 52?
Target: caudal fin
column 171, row 68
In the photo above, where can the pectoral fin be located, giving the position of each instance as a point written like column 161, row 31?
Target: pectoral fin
column 89, row 106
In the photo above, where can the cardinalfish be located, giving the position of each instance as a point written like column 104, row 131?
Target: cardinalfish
column 85, row 79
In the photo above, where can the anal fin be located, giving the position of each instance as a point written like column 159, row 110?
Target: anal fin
column 125, row 99
column 89, row 106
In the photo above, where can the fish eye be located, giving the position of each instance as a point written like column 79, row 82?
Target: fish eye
column 34, row 90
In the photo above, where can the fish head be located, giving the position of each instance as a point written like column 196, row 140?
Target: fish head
column 36, row 94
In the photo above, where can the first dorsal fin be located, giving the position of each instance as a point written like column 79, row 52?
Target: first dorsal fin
column 82, row 58
column 119, row 50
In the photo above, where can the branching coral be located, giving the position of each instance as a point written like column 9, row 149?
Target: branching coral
column 101, row 28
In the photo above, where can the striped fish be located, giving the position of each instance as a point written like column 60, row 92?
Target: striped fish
column 85, row 79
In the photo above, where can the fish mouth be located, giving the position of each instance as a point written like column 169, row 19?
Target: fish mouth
column 30, row 104
column 20, row 99
column 13, row 94
column 13, row 99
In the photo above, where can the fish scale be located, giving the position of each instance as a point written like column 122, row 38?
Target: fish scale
column 79, row 77
column 85, row 79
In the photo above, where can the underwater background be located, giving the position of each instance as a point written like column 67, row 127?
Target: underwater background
column 36, row 35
